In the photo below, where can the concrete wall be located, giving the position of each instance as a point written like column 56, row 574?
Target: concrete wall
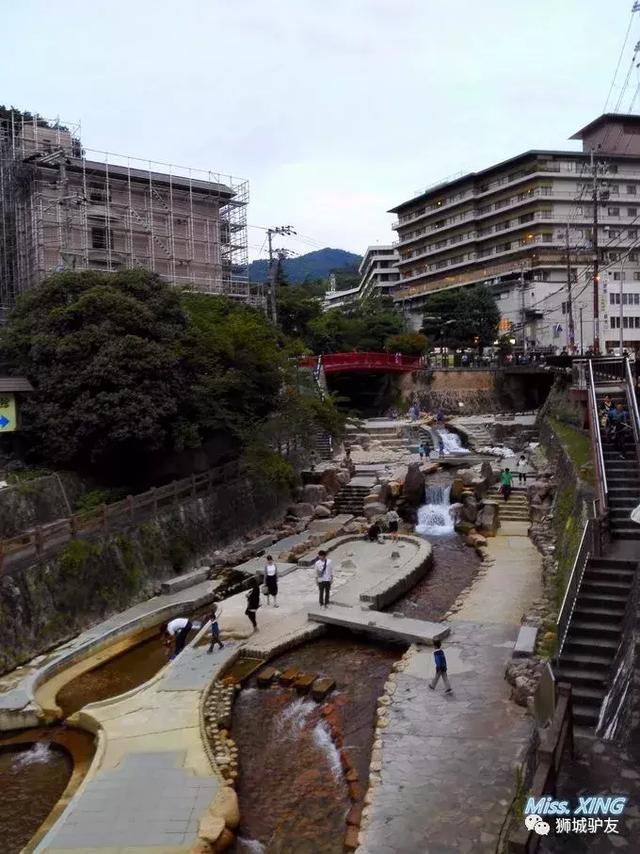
column 447, row 389
column 50, row 602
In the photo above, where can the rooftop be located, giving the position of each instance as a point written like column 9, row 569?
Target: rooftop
column 619, row 118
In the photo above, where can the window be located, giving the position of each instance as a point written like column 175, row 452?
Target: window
column 633, row 256
column 632, row 233
column 613, row 211
column 625, row 322
column 636, row 298
column 614, row 189
column 613, row 168
column 631, row 189
column 547, row 237
column 612, row 298
column 525, row 217
column 619, row 276
column 100, row 238
column 613, row 322
column 98, row 192
column 636, row 276
column 632, row 211
column 564, row 308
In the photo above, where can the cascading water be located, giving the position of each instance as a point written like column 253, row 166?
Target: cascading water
column 452, row 444
column 435, row 517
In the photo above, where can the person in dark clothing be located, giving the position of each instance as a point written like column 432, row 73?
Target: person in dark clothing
column 215, row 628
column 253, row 602
column 177, row 630
column 373, row 534
column 441, row 668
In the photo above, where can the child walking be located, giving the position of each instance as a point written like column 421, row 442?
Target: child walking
column 215, row 628
column 441, row 668
column 271, row 581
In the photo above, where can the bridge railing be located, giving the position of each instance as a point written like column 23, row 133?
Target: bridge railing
column 115, row 516
column 364, row 361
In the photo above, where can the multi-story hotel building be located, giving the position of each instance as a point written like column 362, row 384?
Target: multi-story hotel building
column 62, row 207
column 509, row 227
column 378, row 275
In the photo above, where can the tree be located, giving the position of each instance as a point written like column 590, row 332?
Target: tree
column 296, row 309
column 365, row 327
column 407, row 343
column 461, row 317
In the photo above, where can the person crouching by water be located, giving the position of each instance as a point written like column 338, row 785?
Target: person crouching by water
column 324, row 577
column 271, row 581
column 176, row 631
column 253, row 602
column 215, row 628
column 373, row 534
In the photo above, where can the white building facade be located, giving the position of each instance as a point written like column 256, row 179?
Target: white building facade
column 525, row 228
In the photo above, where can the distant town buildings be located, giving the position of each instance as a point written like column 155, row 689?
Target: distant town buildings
column 378, row 275
column 525, row 227
column 64, row 208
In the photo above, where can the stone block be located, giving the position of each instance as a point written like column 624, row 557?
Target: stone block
column 354, row 816
column 266, row 676
column 289, row 676
column 525, row 645
column 321, row 512
column 314, row 493
column 351, row 838
column 304, row 682
column 321, row 687
column 303, row 509
column 211, row 827
column 413, row 489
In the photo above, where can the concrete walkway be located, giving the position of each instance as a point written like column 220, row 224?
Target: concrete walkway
column 447, row 762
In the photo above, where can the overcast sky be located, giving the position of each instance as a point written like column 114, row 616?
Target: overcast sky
column 334, row 110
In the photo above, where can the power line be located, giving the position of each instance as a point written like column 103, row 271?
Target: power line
column 615, row 73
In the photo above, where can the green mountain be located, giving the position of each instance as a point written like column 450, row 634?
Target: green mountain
column 313, row 265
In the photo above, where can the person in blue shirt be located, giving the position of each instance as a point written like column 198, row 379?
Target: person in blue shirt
column 441, row 668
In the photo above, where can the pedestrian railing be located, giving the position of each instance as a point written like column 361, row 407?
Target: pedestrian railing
column 553, row 742
column 114, row 516
column 590, row 535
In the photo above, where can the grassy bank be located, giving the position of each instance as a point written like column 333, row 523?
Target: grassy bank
column 578, row 447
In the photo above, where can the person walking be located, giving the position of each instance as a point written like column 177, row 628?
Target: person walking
column 324, row 577
column 215, row 628
column 393, row 520
column 177, row 631
column 522, row 467
column 506, row 482
column 253, row 602
column 440, row 445
column 271, row 581
column 441, row 668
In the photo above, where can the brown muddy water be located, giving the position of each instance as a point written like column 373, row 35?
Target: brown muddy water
column 291, row 787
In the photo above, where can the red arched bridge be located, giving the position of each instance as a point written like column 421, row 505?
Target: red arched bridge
column 332, row 363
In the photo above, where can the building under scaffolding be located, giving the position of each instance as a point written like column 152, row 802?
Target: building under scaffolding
column 66, row 208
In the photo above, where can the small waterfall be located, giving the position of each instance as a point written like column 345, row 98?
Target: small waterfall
column 435, row 517
column 293, row 719
column 452, row 444
column 252, row 846
column 323, row 740
column 36, row 755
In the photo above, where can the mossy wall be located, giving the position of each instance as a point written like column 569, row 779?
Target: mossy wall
column 88, row 580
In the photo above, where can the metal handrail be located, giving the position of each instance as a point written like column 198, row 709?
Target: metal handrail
column 573, row 586
column 597, row 439
column 633, row 403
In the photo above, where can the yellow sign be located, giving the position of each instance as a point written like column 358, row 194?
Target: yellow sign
column 8, row 418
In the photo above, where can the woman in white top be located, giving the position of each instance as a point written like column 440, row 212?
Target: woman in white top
column 522, row 467
column 271, row 580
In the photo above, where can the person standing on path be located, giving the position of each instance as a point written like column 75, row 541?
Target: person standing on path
column 522, row 469
column 441, row 668
column 177, row 630
column 271, row 581
column 392, row 519
column 506, row 482
column 253, row 602
column 215, row 628
column 324, row 577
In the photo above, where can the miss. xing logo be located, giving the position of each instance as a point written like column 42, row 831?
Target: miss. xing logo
column 581, row 818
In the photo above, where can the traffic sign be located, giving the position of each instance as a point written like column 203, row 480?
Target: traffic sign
column 8, row 419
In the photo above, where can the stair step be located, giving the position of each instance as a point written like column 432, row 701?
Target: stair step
column 604, row 587
column 577, row 642
column 584, row 677
column 591, row 627
column 612, row 563
column 585, row 715
column 576, row 660
column 602, row 573
column 602, row 598
column 593, row 612
column 584, row 695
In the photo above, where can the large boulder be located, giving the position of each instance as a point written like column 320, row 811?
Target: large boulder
column 301, row 510
column 457, row 490
column 469, row 508
column 413, row 489
column 343, row 477
column 321, row 512
column 314, row 493
column 374, row 509
column 488, row 520
column 486, row 472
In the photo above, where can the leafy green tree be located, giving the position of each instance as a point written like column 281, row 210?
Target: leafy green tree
column 407, row 343
column 479, row 316
column 297, row 307
column 461, row 317
column 365, row 327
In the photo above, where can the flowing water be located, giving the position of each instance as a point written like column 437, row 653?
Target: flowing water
column 452, row 444
column 293, row 795
column 31, row 781
column 435, row 517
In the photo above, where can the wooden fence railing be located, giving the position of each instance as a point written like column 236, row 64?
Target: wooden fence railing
column 553, row 742
column 119, row 514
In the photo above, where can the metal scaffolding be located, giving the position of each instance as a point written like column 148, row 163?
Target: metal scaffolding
column 63, row 207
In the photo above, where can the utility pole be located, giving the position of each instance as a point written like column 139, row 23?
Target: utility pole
column 280, row 229
column 596, row 259
column 581, row 341
column 571, row 335
column 523, row 312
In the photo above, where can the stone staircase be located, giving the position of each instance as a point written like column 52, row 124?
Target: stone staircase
column 516, row 509
column 351, row 497
column 623, row 482
column 594, row 635
column 476, row 431
column 322, row 445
